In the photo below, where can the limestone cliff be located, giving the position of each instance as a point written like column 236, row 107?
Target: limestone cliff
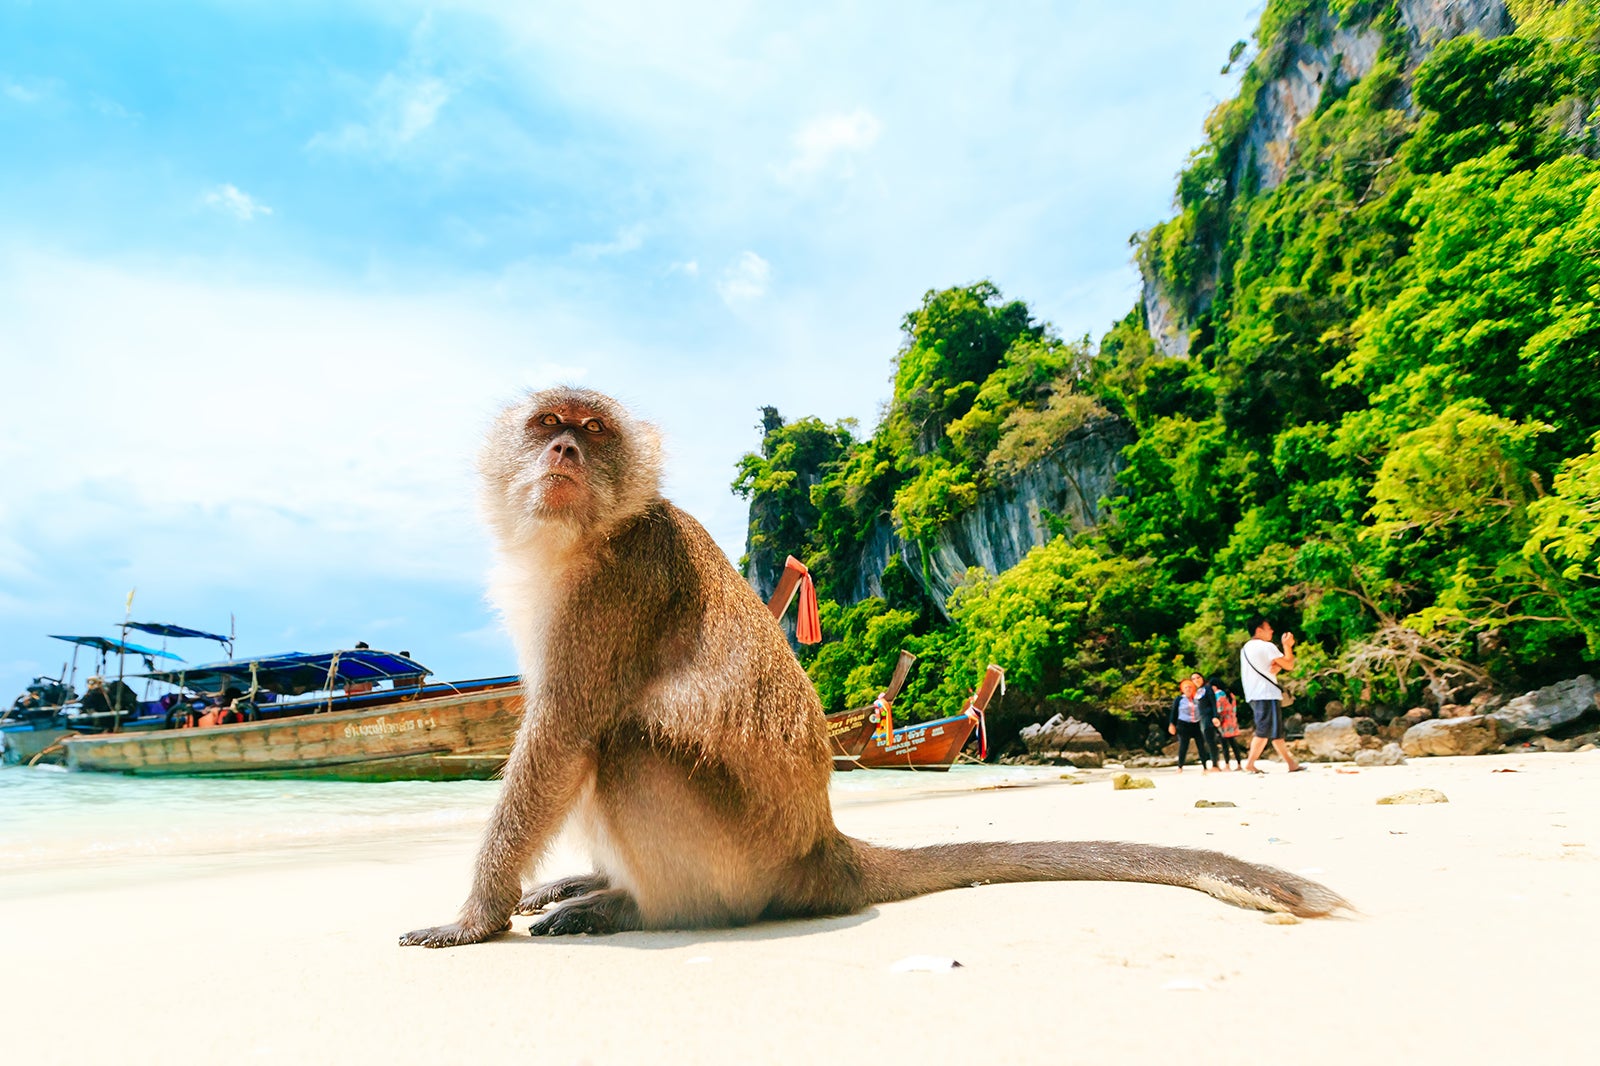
column 1061, row 492
column 1313, row 59
column 1326, row 57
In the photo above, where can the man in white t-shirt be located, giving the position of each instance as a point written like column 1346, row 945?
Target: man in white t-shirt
column 1260, row 663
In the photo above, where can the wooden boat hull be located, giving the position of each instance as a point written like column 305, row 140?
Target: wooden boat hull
column 922, row 746
column 446, row 737
column 848, row 734
column 21, row 745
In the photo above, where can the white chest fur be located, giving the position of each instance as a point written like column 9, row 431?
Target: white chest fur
column 529, row 588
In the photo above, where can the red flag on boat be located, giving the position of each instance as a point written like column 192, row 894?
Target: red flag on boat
column 795, row 577
column 808, row 625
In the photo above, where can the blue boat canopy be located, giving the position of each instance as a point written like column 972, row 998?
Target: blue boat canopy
column 111, row 644
column 294, row 673
column 164, row 629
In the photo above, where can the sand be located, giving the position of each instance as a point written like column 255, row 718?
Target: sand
column 1477, row 940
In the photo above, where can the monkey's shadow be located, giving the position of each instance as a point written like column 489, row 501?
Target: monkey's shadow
column 671, row 939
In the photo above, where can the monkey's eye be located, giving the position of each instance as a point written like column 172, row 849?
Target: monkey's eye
column 549, row 420
column 593, row 425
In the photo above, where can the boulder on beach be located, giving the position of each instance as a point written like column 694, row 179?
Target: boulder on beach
column 1149, row 762
column 1061, row 733
column 1334, row 740
column 1452, row 736
column 1083, row 760
column 1339, row 739
column 1581, row 742
column 1121, row 782
column 1390, row 754
column 1550, row 708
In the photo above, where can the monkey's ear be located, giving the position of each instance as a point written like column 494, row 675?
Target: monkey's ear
column 647, row 442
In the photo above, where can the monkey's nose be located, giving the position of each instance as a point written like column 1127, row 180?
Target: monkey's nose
column 564, row 450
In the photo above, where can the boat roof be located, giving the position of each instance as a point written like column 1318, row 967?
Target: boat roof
column 166, row 629
column 293, row 673
column 110, row 644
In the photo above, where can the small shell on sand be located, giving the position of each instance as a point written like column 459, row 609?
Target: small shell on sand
column 1280, row 918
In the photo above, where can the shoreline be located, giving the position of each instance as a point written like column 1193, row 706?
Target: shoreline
column 1464, row 945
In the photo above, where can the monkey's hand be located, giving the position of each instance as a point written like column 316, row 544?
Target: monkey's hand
column 449, row 936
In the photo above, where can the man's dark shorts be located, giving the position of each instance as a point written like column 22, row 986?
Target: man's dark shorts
column 1269, row 719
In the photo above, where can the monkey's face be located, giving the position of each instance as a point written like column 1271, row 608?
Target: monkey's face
column 572, row 457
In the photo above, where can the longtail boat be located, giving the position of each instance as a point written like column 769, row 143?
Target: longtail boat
column 52, row 709
column 935, row 745
column 354, row 731
column 848, row 731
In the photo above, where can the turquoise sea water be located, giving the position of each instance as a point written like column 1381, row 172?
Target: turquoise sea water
column 59, row 830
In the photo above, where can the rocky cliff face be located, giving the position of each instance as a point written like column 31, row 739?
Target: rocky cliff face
column 1162, row 317
column 1061, row 492
column 1323, row 57
column 1328, row 56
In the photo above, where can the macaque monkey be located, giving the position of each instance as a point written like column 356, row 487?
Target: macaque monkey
column 669, row 722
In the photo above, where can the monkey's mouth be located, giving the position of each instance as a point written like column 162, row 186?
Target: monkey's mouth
column 560, row 489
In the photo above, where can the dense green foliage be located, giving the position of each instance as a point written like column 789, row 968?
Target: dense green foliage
column 1385, row 432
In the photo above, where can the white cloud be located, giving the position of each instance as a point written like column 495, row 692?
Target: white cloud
column 229, row 199
column 830, row 143
column 628, row 239
column 400, row 109
column 745, row 280
column 19, row 93
column 690, row 267
column 110, row 108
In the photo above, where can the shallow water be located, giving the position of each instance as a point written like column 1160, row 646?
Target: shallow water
column 60, row 831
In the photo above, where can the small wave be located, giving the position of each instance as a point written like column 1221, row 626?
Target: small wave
column 55, row 821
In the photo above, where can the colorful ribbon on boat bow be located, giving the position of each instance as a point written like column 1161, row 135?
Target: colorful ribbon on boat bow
column 885, row 728
column 976, row 715
column 994, row 679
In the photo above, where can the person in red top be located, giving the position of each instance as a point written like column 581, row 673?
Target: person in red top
column 1227, row 723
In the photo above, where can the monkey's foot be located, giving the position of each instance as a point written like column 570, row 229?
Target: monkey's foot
column 609, row 910
column 537, row 899
column 449, row 936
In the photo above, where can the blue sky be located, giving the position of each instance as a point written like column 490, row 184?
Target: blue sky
column 267, row 269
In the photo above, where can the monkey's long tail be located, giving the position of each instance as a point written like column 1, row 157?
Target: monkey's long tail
column 888, row 874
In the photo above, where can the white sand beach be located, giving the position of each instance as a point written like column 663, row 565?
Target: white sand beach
column 1477, row 941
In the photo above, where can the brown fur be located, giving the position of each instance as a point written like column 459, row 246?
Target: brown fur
column 668, row 719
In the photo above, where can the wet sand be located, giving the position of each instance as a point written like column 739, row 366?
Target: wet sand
column 1477, row 940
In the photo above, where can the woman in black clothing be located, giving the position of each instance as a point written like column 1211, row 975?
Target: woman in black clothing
column 1206, row 697
column 1184, row 723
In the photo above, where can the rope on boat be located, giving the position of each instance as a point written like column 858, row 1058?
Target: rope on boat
column 44, row 751
column 333, row 677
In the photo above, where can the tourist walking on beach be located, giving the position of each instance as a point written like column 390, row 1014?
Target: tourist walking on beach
column 1227, row 724
column 1260, row 663
column 1184, row 723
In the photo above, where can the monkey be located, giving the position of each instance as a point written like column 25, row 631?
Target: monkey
column 668, row 720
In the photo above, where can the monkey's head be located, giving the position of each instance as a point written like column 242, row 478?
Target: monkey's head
column 567, row 459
